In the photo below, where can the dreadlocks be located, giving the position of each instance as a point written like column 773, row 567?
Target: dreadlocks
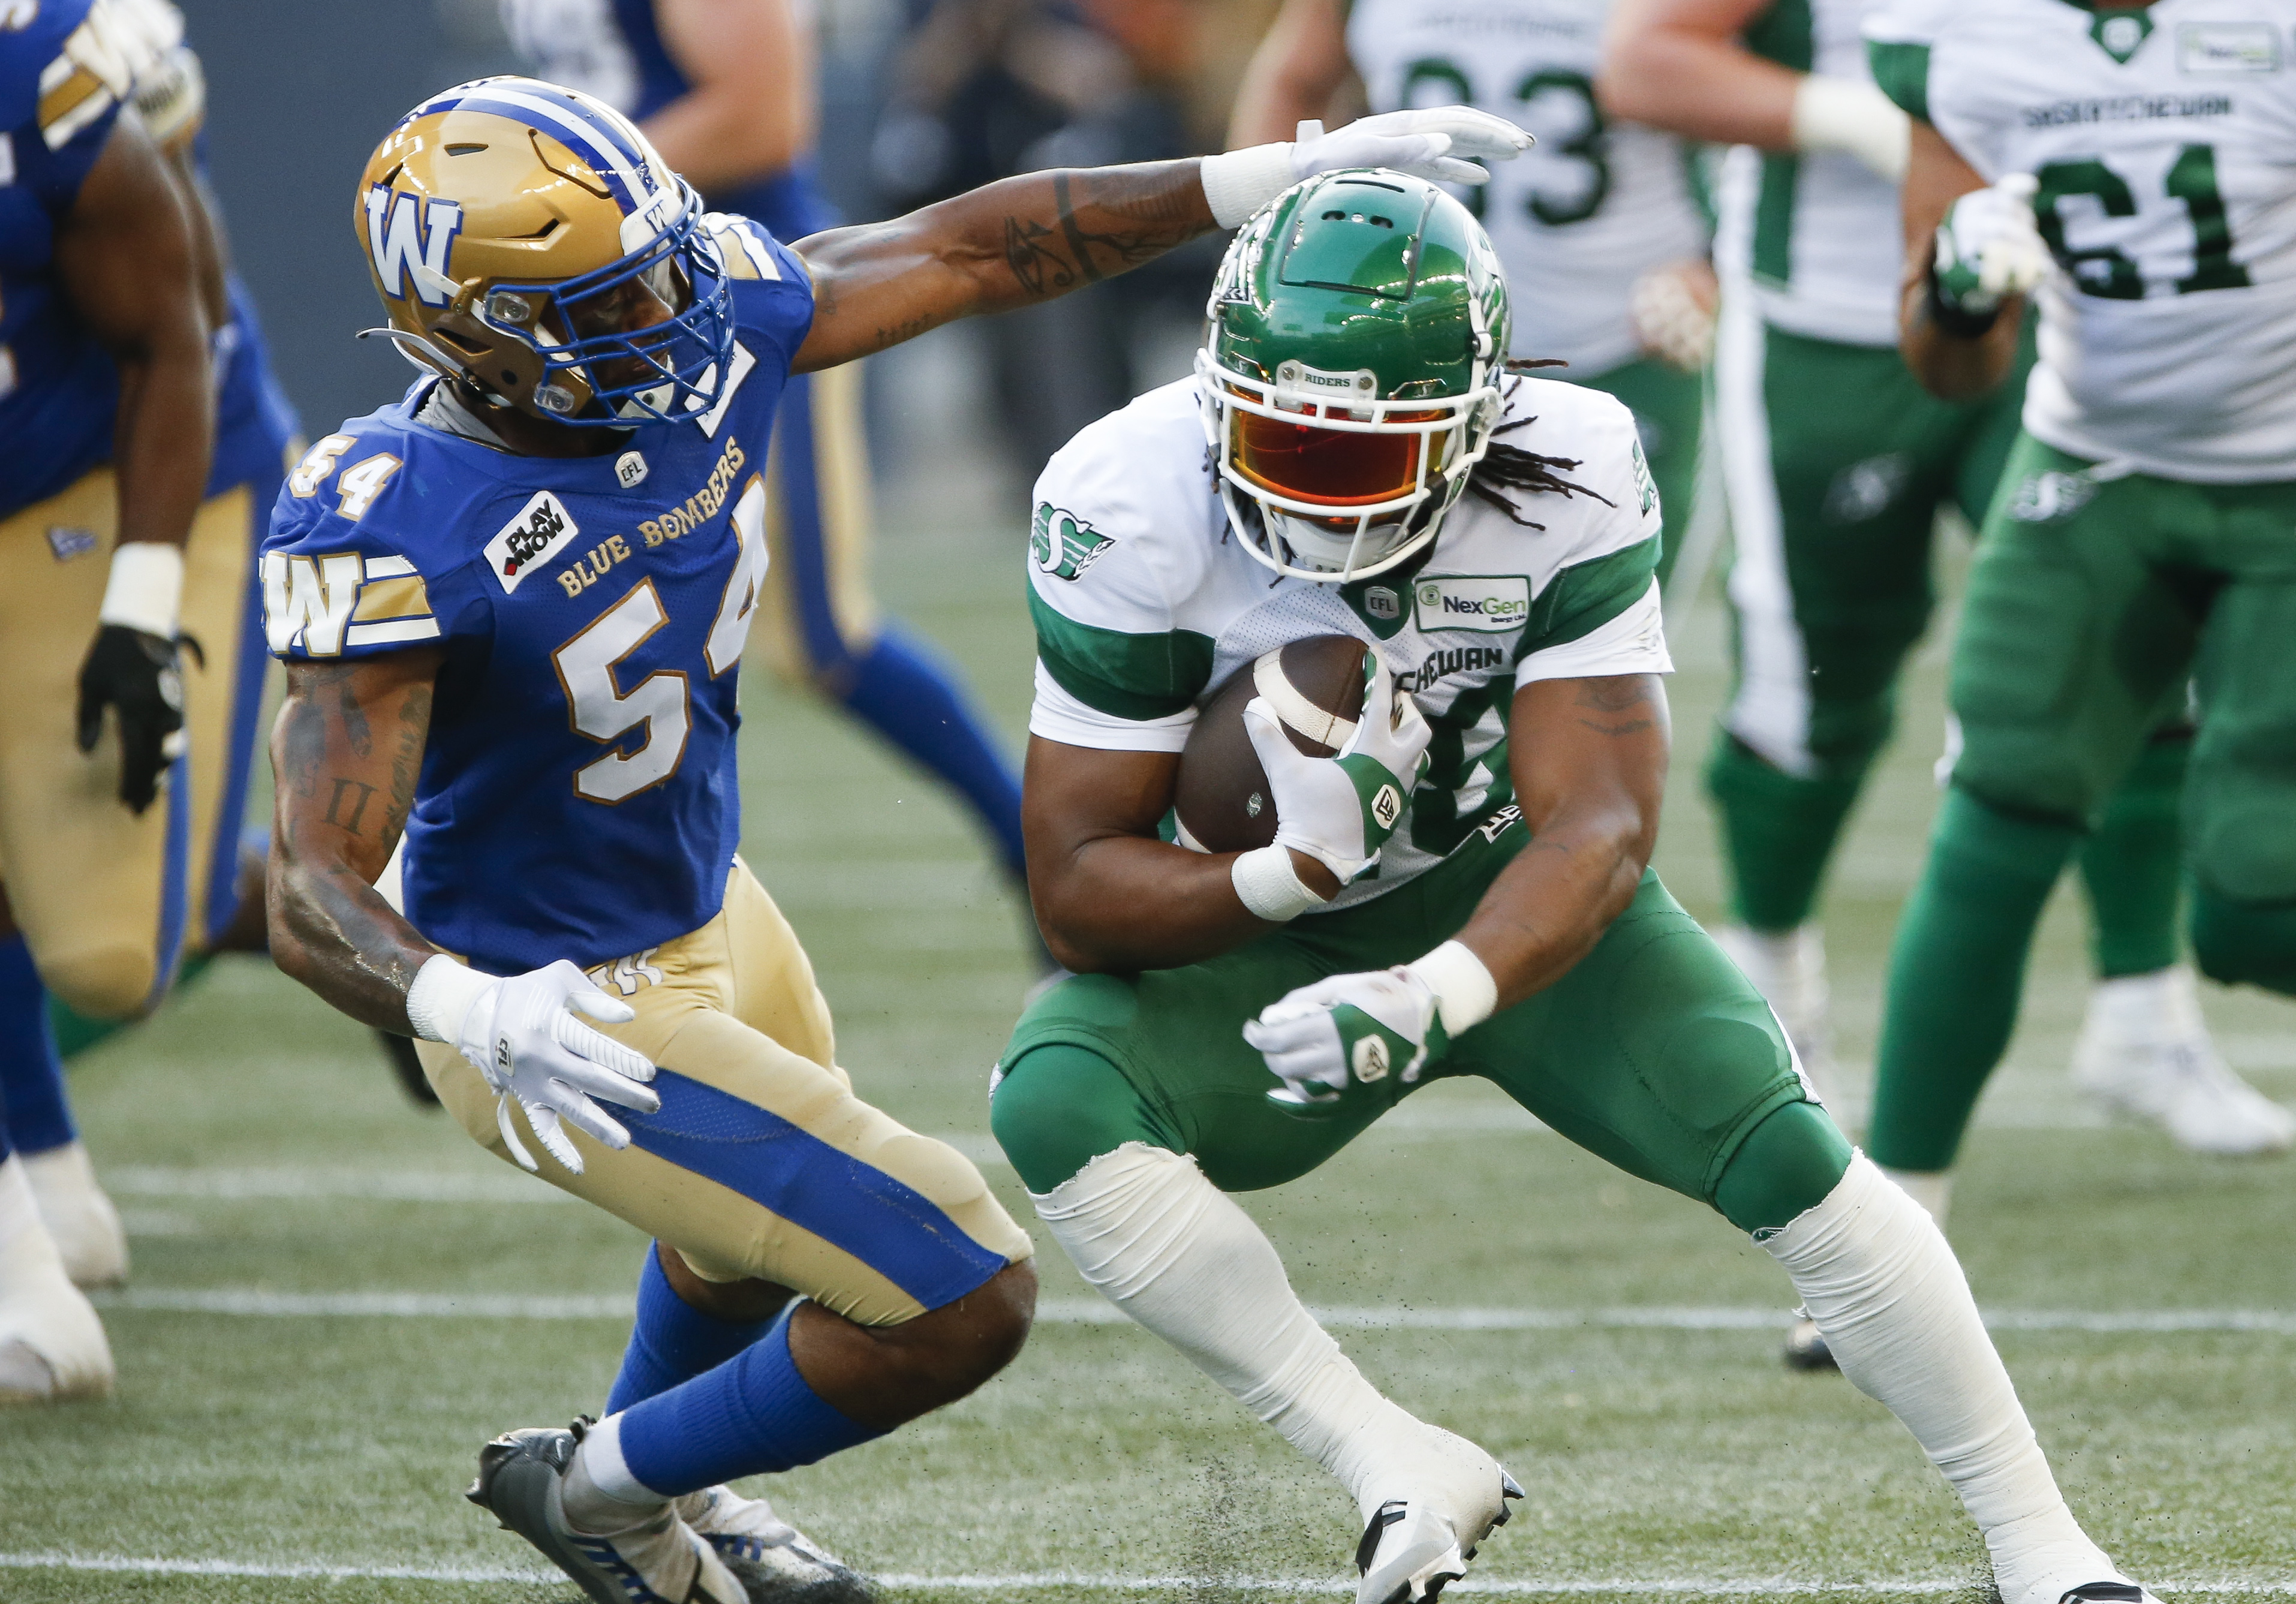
column 1508, row 467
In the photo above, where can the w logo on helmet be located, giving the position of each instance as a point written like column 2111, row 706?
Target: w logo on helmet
column 410, row 235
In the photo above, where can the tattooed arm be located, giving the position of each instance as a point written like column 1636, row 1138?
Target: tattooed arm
column 344, row 754
column 1589, row 758
column 1004, row 245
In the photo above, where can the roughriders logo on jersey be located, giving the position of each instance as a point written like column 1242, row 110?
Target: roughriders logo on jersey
column 538, row 533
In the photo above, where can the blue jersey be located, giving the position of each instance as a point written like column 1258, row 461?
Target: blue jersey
column 613, row 49
column 62, row 81
column 577, row 798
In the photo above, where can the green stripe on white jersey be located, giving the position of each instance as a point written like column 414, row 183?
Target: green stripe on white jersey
column 2165, row 144
column 1818, row 232
column 1584, row 213
column 1143, row 601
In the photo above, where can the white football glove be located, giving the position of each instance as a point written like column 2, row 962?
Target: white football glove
column 521, row 1033
column 1988, row 247
column 1361, row 1029
column 1426, row 144
column 1340, row 810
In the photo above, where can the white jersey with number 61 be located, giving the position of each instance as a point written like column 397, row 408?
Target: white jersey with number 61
column 2165, row 143
column 1589, row 208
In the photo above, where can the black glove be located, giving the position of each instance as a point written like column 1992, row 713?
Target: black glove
column 136, row 673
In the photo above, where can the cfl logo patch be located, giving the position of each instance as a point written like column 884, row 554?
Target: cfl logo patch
column 410, row 236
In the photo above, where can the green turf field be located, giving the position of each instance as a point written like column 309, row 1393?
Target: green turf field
column 337, row 1299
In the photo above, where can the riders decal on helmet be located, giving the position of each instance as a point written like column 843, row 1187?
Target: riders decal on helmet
column 1349, row 376
column 527, row 240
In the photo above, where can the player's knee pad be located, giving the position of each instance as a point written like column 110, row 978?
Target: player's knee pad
column 1787, row 1165
column 117, row 980
column 1058, row 1107
column 2240, row 942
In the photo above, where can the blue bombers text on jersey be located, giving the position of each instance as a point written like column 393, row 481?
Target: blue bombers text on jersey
column 577, row 798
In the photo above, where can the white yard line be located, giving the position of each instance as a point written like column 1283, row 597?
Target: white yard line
column 229, row 1185
column 1637, row 1586
column 259, row 1303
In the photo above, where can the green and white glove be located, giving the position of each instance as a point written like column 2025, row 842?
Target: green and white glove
column 1989, row 250
column 1359, row 1030
column 1340, row 810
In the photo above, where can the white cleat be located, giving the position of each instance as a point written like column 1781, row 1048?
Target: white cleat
column 1435, row 1513
column 51, row 1346
column 1788, row 968
column 771, row 1557
column 2145, row 1051
column 78, row 1215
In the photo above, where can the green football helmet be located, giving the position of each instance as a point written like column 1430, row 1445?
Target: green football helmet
column 1349, row 375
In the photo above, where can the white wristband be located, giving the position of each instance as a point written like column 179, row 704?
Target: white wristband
column 146, row 587
column 1239, row 182
column 441, row 999
column 1853, row 116
column 1270, row 887
column 1465, row 992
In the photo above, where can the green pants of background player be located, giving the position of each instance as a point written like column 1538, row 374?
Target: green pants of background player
column 1653, row 1053
column 1668, row 406
column 2094, row 600
column 1837, row 462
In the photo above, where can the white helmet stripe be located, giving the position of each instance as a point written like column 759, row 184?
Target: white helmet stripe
column 645, row 192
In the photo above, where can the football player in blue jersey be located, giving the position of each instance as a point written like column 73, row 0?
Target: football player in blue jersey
column 725, row 92
column 512, row 606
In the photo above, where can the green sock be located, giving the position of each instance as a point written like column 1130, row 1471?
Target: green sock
column 1956, row 973
column 2133, row 865
column 1778, row 830
column 2245, row 943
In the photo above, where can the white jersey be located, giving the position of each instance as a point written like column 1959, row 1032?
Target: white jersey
column 1590, row 208
column 1818, row 232
column 1144, row 603
column 2165, row 144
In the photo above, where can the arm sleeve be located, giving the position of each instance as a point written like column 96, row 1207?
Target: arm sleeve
column 81, row 92
column 1613, row 557
column 1060, row 716
column 1898, row 39
column 336, row 588
column 774, row 291
column 1634, row 641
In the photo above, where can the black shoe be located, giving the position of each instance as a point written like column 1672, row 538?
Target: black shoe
column 1806, row 1349
column 400, row 1050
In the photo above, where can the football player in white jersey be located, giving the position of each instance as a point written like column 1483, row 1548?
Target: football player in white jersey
column 1837, row 463
column 1599, row 227
column 1354, row 458
column 2136, row 167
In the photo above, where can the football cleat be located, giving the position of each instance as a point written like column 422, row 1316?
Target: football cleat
column 78, row 1215
column 2145, row 1052
column 2053, row 1591
column 1418, row 1542
column 658, row 1560
column 1805, row 1345
column 1788, row 968
column 51, row 1346
column 406, row 1066
column 771, row 1557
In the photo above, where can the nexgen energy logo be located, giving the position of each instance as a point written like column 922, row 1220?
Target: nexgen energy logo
column 1493, row 602
column 538, row 533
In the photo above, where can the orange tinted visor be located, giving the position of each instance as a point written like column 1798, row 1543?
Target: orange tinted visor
column 1335, row 467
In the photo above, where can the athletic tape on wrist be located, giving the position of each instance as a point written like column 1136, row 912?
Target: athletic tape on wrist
column 1466, row 993
column 1855, row 118
column 441, row 999
column 144, row 589
column 1268, row 885
column 1239, row 182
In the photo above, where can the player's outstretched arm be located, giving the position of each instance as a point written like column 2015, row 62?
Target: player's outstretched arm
column 1971, row 253
column 1589, row 758
column 344, row 755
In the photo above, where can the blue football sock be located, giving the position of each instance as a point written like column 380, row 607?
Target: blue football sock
column 673, row 1341
column 753, row 1413
column 914, row 703
column 31, row 1074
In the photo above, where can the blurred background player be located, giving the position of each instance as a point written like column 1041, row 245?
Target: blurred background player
column 726, row 91
column 2142, row 530
column 1837, row 464
column 1598, row 226
column 222, row 666
column 107, row 418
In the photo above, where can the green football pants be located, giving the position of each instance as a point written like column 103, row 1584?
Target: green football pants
column 1669, row 407
column 1654, row 1052
column 2095, row 600
column 1837, row 463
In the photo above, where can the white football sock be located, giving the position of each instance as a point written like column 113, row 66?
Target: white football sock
column 52, row 1343
column 1931, row 1189
column 1876, row 1273
column 1174, row 1252
column 600, row 1493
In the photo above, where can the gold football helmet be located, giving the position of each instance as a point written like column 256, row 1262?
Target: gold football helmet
column 526, row 239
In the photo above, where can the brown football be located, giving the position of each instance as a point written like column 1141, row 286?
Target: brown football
column 1317, row 688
